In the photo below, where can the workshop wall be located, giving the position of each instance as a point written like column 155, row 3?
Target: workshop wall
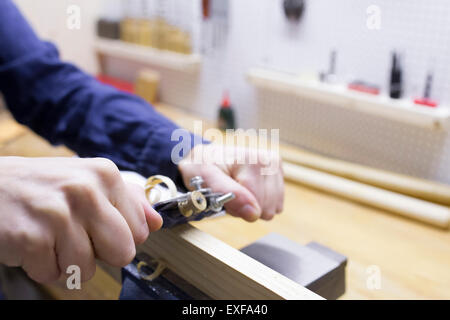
column 258, row 35
column 74, row 45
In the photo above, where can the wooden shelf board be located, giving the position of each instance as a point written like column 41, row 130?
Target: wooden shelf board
column 148, row 55
column 338, row 95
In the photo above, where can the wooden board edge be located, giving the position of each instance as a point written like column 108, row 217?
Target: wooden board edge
column 219, row 270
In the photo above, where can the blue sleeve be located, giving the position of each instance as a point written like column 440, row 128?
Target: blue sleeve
column 67, row 106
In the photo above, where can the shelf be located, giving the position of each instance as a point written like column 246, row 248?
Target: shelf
column 400, row 110
column 148, row 55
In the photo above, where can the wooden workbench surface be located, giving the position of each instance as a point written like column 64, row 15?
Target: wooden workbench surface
column 413, row 258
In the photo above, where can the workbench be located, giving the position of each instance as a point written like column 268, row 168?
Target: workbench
column 413, row 258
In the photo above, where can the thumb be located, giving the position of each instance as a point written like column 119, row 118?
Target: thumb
column 244, row 205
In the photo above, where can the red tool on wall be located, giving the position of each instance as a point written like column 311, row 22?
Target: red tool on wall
column 426, row 100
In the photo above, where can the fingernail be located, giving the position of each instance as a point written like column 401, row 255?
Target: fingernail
column 153, row 218
column 249, row 212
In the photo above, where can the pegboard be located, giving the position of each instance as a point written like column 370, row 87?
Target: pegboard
column 356, row 137
column 258, row 35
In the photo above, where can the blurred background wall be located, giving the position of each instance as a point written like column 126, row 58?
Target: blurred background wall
column 49, row 19
column 256, row 34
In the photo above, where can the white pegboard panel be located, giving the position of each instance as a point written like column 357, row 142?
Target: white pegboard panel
column 364, row 139
column 258, row 35
column 419, row 29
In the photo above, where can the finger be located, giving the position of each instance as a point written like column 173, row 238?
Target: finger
column 251, row 179
column 271, row 196
column 280, row 202
column 42, row 266
column 245, row 205
column 10, row 253
column 274, row 195
column 111, row 237
column 40, row 261
column 74, row 248
column 128, row 199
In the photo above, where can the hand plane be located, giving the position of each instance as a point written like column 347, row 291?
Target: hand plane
column 183, row 207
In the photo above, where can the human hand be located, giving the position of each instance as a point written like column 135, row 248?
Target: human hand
column 57, row 212
column 254, row 176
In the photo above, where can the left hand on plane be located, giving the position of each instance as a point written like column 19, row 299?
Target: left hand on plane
column 254, row 176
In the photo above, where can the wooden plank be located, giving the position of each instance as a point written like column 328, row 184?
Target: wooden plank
column 148, row 55
column 413, row 258
column 415, row 187
column 390, row 201
column 217, row 269
column 101, row 287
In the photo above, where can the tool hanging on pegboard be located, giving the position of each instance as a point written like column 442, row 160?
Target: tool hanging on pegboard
column 293, row 9
column 215, row 24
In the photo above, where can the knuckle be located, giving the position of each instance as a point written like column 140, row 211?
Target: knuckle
column 56, row 210
column 248, row 180
column 268, row 158
column 41, row 244
column 106, row 170
column 244, row 180
column 78, row 187
column 63, row 218
column 141, row 236
column 88, row 192
column 124, row 256
column 45, row 278
column 29, row 241
column 79, row 192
